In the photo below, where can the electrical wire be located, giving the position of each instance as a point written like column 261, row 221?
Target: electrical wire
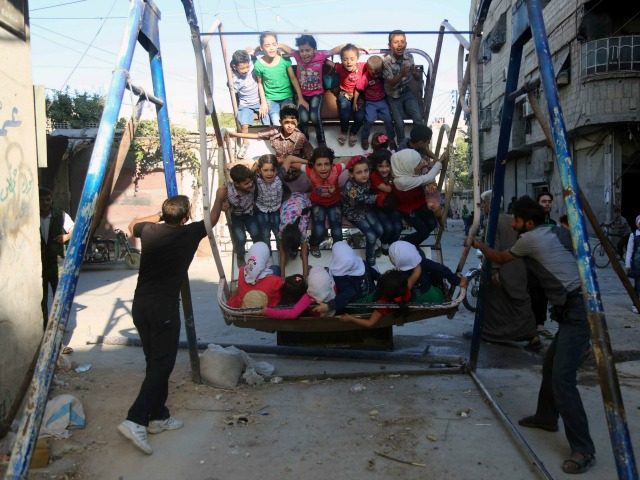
column 56, row 5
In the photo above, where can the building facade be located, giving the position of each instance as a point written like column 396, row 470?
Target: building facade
column 595, row 48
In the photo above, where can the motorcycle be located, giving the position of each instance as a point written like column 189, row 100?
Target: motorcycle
column 470, row 301
column 104, row 250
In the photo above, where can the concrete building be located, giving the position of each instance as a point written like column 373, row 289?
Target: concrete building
column 595, row 47
column 20, row 266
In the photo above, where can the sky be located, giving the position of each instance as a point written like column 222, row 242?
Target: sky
column 74, row 43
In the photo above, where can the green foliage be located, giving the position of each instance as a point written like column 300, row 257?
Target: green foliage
column 226, row 120
column 148, row 154
column 459, row 163
column 77, row 108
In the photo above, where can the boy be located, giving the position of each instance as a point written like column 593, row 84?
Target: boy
column 287, row 140
column 168, row 247
column 632, row 259
column 549, row 257
column 238, row 198
column 398, row 68
column 249, row 97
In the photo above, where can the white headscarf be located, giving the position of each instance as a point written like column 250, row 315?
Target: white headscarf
column 320, row 285
column 404, row 255
column 258, row 260
column 344, row 261
column 403, row 166
column 638, row 220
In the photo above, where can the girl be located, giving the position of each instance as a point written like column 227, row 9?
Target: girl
column 408, row 188
column 275, row 79
column 240, row 195
column 294, row 223
column 257, row 275
column 325, row 196
column 382, row 184
column 358, row 201
column 310, row 62
column 268, row 197
column 353, row 278
column 350, row 71
column 380, row 141
column 376, row 106
column 320, row 289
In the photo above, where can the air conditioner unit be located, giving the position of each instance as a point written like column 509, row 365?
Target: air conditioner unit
column 527, row 109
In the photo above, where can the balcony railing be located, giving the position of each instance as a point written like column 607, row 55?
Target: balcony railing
column 610, row 55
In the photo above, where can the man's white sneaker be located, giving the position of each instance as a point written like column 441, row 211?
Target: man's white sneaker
column 137, row 434
column 634, row 309
column 158, row 426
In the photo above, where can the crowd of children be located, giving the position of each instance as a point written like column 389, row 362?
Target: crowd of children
column 378, row 89
column 300, row 190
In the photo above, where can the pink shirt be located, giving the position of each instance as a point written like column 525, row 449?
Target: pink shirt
column 348, row 80
column 290, row 313
column 310, row 74
column 373, row 87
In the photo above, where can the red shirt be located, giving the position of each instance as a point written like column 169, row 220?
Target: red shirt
column 376, row 180
column 325, row 191
column 373, row 87
column 384, row 311
column 411, row 200
column 349, row 80
column 270, row 285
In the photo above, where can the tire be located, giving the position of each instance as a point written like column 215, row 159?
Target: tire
column 470, row 301
column 600, row 257
column 132, row 260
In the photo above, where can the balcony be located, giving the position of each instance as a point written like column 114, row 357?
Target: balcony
column 610, row 55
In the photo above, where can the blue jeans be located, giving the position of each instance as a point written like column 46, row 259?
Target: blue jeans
column 377, row 111
column 372, row 231
column 319, row 214
column 559, row 394
column 240, row 224
column 346, row 113
column 267, row 223
column 406, row 103
column 274, row 109
column 315, row 104
column 423, row 221
column 391, row 226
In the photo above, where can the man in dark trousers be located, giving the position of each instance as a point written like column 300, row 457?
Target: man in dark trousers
column 548, row 253
column 55, row 231
column 168, row 246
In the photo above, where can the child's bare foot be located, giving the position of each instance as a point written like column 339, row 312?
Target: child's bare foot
column 353, row 139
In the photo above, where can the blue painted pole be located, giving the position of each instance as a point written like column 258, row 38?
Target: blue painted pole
column 164, row 127
column 506, row 121
column 52, row 340
column 612, row 398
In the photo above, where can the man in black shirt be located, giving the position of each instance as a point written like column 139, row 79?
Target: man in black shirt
column 168, row 247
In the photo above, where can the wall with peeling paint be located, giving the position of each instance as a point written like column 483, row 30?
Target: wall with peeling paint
column 20, row 267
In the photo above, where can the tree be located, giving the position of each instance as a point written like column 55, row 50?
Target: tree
column 459, row 164
column 77, row 108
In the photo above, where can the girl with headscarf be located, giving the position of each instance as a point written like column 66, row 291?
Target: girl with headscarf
column 354, row 279
column 408, row 188
column 258, row 274
column 320, row 289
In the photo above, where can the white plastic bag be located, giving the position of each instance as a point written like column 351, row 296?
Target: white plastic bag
column 221, row 367
column 62, row 413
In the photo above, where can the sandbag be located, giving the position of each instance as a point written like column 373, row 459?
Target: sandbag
column 221, row 367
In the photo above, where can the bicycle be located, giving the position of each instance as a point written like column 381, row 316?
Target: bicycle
column 599, row 254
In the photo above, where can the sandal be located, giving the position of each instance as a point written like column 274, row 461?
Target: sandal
column 342, row 138
column 67, row 350
column 353, row 139
column 581, row 464
column 545, row 333
column 315, row 252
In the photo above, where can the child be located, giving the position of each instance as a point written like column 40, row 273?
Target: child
column 355, row 281
column 239, row 194
column 294, row 223
column 424, row 273
column 380, row 141
column 376, row 106
column 398, row 68
column 287, row 140
column 320, row 289
column 275, row 78
column 632, row 259
column 358, row 202
column 294, row 287
column 419, row 140
column 325, row 196
column 268, row 197
column 250, row 100
column 310, row 62
column 257, row 275
column 350, row 71
column 381, row 182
